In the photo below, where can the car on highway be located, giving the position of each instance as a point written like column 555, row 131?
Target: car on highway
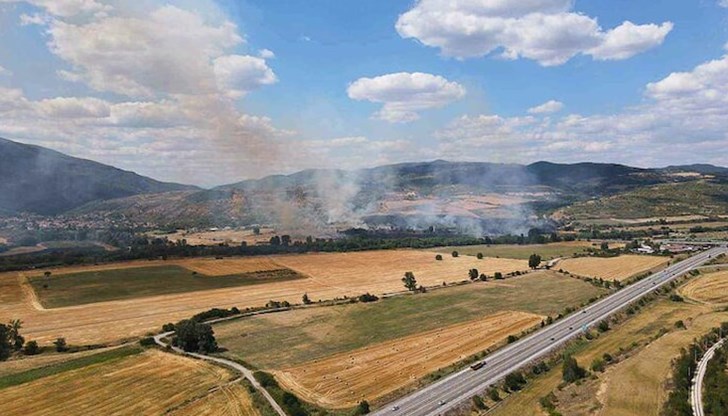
column 441, row 402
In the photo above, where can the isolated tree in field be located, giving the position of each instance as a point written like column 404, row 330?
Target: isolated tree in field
column 409, row 281
column 47, row 274
column 473, row 274
column 362, row 408
column 479, row 256
column 31, row 348
column 498, row 276
column 306, row 300
column 605, row 246
column 571, row 371
column 15, row 337
column 534, row 261
column 438, row 257
column 455, row 254
column 256, row 230
column 60, row 344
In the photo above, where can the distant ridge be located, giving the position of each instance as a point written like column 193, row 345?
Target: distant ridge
column 42, row 181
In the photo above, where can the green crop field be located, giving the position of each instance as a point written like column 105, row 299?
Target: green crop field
column 100, row 286
column 515, row 251
column 290, row 338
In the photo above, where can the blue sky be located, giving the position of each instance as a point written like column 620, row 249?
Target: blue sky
column 211, row 92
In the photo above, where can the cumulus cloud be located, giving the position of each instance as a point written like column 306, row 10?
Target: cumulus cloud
column 405, row 94
column 723, row 3
column 548, row 31
column 5, row 72
column 239, row 74
column 551, row 106
column 684, row 112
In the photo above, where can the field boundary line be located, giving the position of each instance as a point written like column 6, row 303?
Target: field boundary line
column 246, row 372
column 32, row 297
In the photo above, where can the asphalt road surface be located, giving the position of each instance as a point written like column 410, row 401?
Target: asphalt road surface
column 696, row 394
column 453, row 390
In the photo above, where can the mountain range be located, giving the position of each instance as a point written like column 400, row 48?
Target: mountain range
column 46, row 182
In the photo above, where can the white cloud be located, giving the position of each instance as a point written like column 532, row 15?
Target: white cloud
column 545, row 31
column 5, row 72
column 683, row 120
column 723, row 3
column 238, row 75
column 66, row 8
column 266, row 54
column 74, row 107
column 167, row 52
column 405, row 94
column 551, row 106
column 629, row 39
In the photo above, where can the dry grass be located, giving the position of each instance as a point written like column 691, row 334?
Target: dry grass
column 332, row 275
column 710, row 288
column 381, row 268
column 610, row 268
column 640, row 329
column 637, row 385
column 149, row 383
column 213, row 238
column 342, row 380
column 24, row 363
column 226, row 267
column 229, row 400
column 207, row 266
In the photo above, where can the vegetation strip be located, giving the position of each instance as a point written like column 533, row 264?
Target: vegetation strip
column 37, row 373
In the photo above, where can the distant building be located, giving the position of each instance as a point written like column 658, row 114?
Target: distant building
column 645, row 249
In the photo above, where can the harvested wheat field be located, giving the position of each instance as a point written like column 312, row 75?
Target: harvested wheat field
column 204, row 265
column 342, row 380
column 330, row 276
column 148, row 383
column 710, row 288
column 610, row 268
column 229, row 400
column 230, row 266
column 381, row 268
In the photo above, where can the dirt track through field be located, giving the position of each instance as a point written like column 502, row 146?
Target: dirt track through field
column 610, row 268
column 342, row 380
column 333, row 275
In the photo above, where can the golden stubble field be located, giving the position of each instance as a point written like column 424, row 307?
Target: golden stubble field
column 152, row 382
column 711, row 288
column 329, row 276
column 610, row 268
column 342, row 380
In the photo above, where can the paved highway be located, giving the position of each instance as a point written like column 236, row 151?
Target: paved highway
column 696, row 394
column 453, row 390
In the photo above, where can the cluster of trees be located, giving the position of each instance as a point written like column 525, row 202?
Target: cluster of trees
column 138, row 247
column 193, row 336
column 10, row 339
column 571, row 371
column 715, row 399
column 683, row 369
